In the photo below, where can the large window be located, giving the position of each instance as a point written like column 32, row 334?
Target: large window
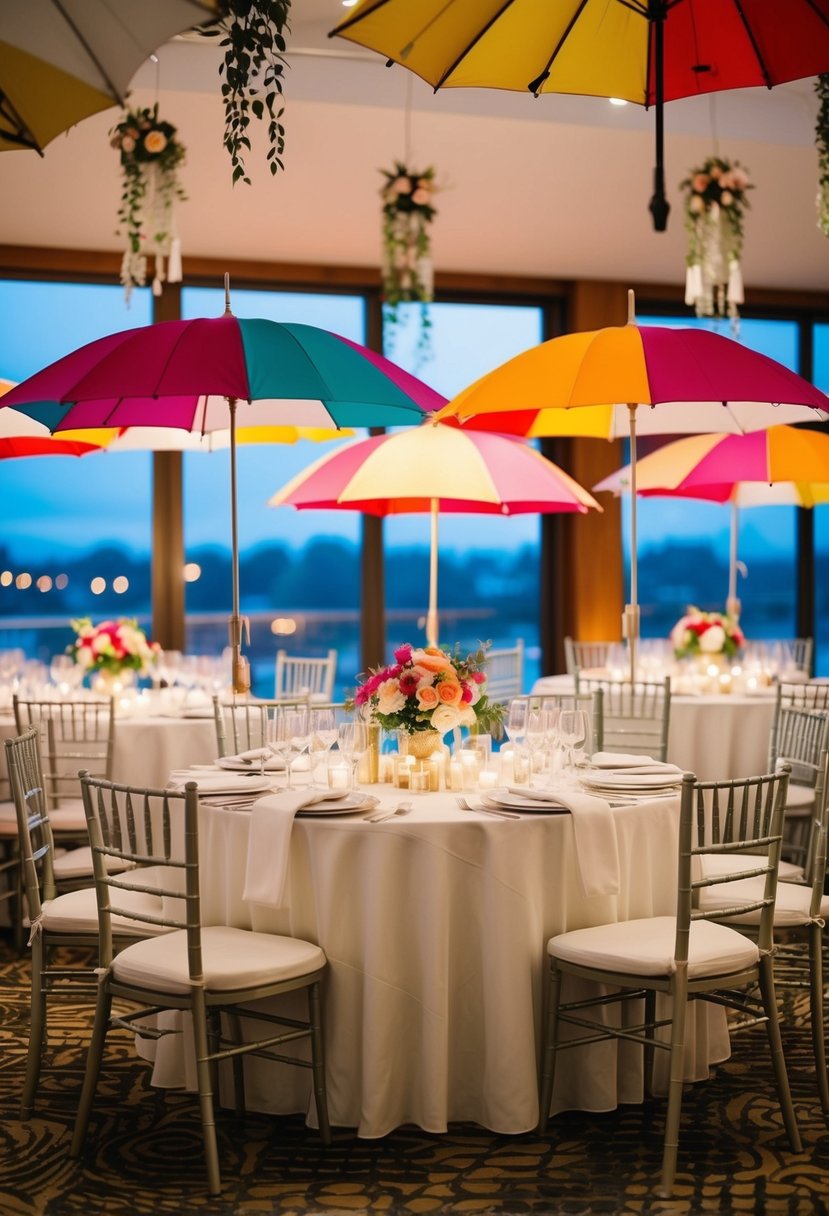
column 300, row 571
column 76, row 531
column 684, row 544
column 488, row 581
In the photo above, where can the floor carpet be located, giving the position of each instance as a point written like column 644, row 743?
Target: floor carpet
column 144, row 1154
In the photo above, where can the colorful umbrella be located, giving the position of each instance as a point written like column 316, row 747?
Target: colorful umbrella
column 593, row 383
column 22, row 436
column 435, row 468
column 644, row 51
column 196, row 375
column 60, row 63
column 781, row 466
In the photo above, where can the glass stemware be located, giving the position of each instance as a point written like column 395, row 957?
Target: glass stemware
column 352, row 741
column 536, row 735
column 572, row 725
column 322, row 735
column 288, row 735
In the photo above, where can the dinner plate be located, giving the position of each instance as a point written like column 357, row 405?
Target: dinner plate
column 640, row 782
column 510, row 799
column 274, row 764
column 348, row 805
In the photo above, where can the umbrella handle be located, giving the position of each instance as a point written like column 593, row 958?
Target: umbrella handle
column 659, row 206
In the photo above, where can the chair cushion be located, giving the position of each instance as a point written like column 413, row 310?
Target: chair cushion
column 232, row 958
column 77, row 863
column 646, row 947
column 68, row 817
column 791, row 907
column 77, row 911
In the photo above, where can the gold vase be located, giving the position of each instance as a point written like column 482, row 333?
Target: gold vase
column 423, row 743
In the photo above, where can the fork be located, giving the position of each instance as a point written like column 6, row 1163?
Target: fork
column 402, row 809
column 486, row 810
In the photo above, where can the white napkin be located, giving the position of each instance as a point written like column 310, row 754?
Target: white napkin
column 269, row 844
column 594, row 832
column 638, row 764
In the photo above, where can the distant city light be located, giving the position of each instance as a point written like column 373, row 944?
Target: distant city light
column 44, row 583
column 6, row 578
column 120, row 584
column 192, row 572
column 62, row 581
column 283, row 625
column 98, row 585
column 23, row 581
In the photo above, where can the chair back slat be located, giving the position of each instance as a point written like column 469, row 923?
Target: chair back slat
column 586, row 656
column 635, row 716
column 33, row 828
column 505, row 672
column 311, row 677
column 74, row 735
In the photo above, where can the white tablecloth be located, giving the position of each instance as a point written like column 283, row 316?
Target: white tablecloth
column 716, row 737
column 435, row 927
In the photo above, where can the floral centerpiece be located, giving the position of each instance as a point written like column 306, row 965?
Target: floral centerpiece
column 708, row 634
column 151, row 156
column 715, row 202
column 113, row 647
column 429, row 690
column 408, row 211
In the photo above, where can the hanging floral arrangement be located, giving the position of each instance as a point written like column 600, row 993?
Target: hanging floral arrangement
column 408, row 212
column 151, row 157
column 715, row 203
column 822, row 141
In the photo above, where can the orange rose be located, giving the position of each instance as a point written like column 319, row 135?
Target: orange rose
column 449, row 692
column 427, row 697
column 432, row 659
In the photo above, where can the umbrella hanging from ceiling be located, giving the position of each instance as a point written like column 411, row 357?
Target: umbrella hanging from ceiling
column 783, row 466
column 434, row 468
column 597, row 383
column 209, row 374
column 63, row 60
column 644, row 51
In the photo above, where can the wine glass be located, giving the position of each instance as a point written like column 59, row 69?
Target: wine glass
column 352, row 741
column 572, row 725
column 515, row 725
column 322, row 735
column 536, row 735
column 65, row 673
column 287, row 735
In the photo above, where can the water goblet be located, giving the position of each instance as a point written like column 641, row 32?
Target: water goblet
column 283, row 736
column 536, row 735
column 322, row 735
column 352, row 741
column 573, row 731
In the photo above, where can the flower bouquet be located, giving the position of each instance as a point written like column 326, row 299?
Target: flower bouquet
column 112, row 648
column 706, row 634
column 408, row 211
column 429, row 690
column 715, row 202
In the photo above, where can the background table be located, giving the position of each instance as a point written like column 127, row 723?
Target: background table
column 435, row 927
column 716, row 737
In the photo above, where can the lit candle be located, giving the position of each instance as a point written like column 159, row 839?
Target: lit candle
column 487, row 779
column 455, row 776
column 435, row 767
column 402, row 771
column 419, row 780
column 507, row 767
column 387, row 768
column 338, row 776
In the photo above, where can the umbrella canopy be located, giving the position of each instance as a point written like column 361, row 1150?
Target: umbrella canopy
column 171, row 439
column 22, row 436
column 201, row 375
column 644, row 51
column 435, row 468
column 62, row 61
column 591, row 383
column 779, row 467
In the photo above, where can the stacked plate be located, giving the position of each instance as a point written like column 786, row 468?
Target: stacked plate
column 627, row 781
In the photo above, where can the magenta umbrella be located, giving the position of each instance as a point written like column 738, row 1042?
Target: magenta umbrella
column 200, row 375
column 435, row 468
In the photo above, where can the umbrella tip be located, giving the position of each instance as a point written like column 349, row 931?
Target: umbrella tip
column 227, row 295
column 631, row 305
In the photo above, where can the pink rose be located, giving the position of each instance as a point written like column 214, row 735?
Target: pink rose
column 421, row 197
column 699, row 182
column 466, row 695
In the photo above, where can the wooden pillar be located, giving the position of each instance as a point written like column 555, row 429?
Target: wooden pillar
column 591, row 568
column 372, row 575
column 168, row 519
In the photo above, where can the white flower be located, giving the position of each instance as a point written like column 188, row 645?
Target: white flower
column 445, row 718
column 713, row 640
column 390, row 699
column 467, row 715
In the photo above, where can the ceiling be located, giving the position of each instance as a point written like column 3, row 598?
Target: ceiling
column 556, row 187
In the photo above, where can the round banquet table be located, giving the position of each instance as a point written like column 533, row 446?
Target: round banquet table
column 716, row 737
column 434, row 926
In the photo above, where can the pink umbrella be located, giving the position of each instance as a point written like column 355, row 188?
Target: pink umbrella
column 435, row 468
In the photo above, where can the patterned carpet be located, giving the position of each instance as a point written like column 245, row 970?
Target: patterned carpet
column 144, row 1154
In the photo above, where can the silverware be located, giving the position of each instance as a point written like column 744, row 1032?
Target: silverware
column 402, row 809
column 486, row 810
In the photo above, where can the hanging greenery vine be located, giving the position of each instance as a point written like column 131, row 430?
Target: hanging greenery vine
column 151, row 157
column 408, row 212
column 822, row 141
column 252, row 36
